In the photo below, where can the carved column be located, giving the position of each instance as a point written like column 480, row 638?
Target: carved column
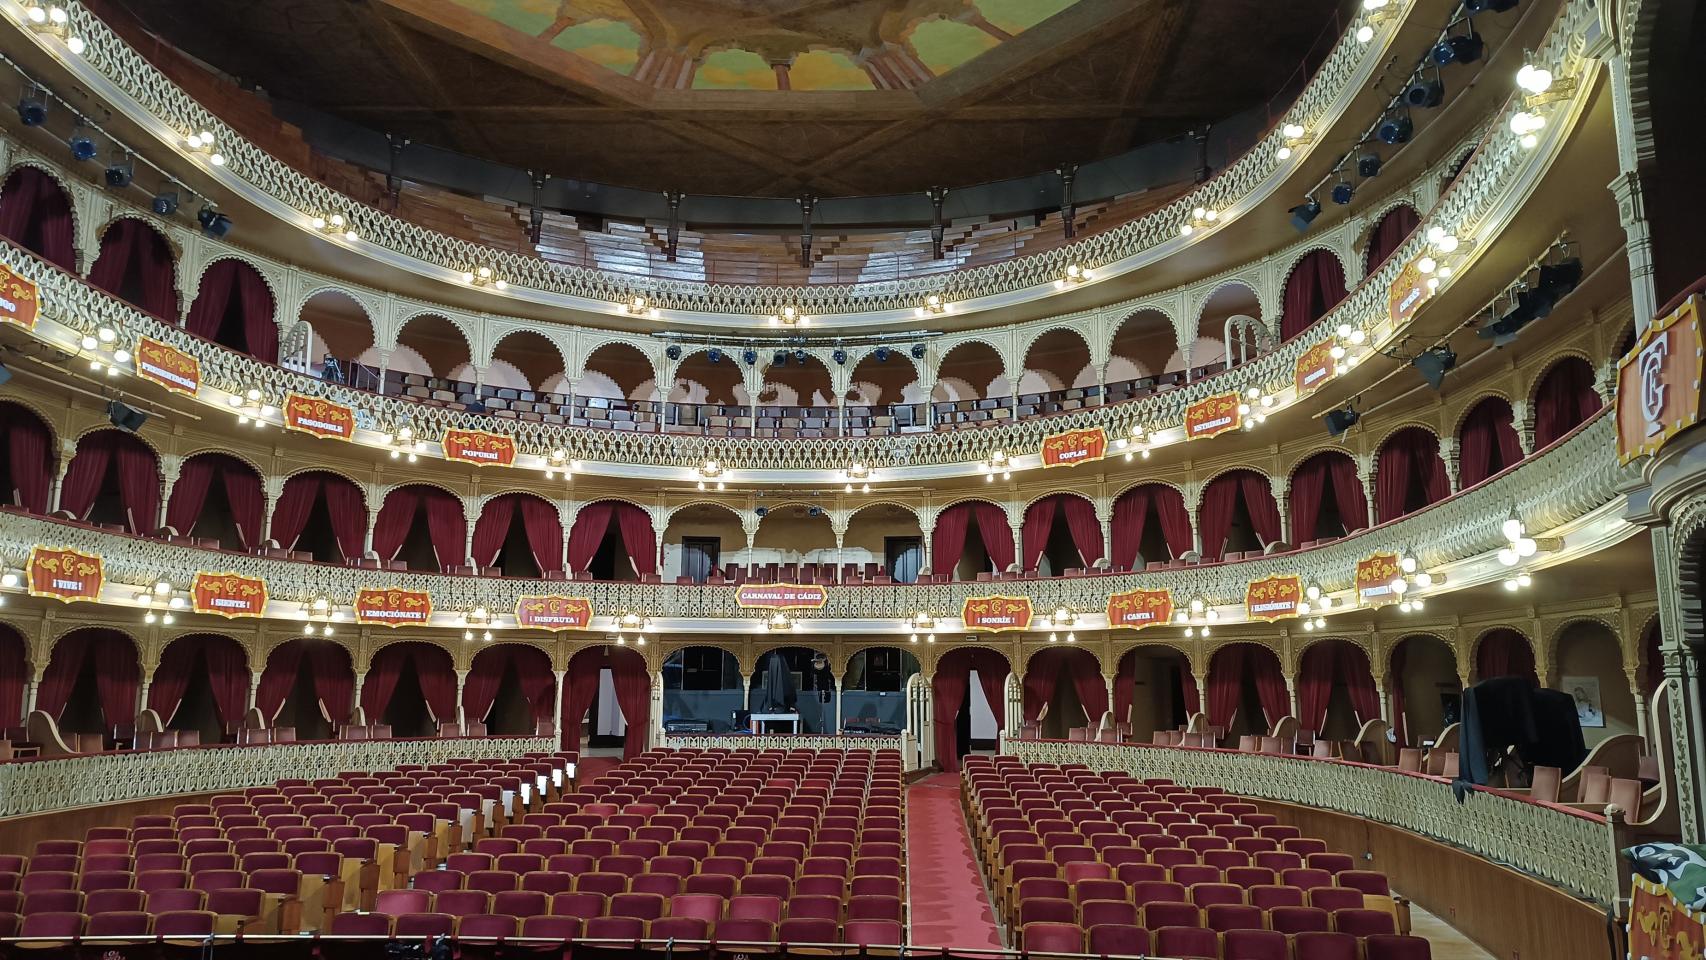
column 468, row 543
column 557, row 708
column 1523, row 420
column 170, row 468
column 355, row 702
column 67, row 450
column 1282, row 500
column 654, row 736
column 1017, row 526
column 1631, row 205
column 461, row 711
column 1640, row 698
column 1365, row 474
column 1202, row 693
column 835, row 727
column 926, row 533
column 1448, row 453
column 1108, row 679
column 1682, row 672
column 274, row 488
column 255, row 692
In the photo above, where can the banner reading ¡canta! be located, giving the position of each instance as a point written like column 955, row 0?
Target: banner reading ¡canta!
column 1136, row 609
column 553, row 613
column 1074, row 447
column 20, row 299
column 392, row 606
column 996, row 614
column 780, row 596
column 1212, row 416
column 1374, row 576
column 318, row 416
column 169, row 367
column 1314, row 368
column 1273, row 598
column 228, row 595
column 479, row 448
column 64, row 574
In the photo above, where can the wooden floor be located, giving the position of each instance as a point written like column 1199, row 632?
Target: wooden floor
column 1447, row 943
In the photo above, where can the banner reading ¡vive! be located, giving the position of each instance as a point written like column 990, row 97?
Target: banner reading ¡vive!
column 228, row 595
column 479, row 448
column 780, row 596
column 169, row 367
column 1074, row 447
column 553, row 613
column 392, row 606
column 996, row 614
column 20, row 299
column 64, row 574
column 1374, row 576
column 1136, row 609
column 318, row 416
column 1273, row 598
column 1212, row 416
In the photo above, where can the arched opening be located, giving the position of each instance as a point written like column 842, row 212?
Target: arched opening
column 794, row 680
column 36, row 214
column 113, row 480
column 1063, row 692
column 613, row 540
column 873, row 690
column 27, row 460
column 1060, row 535
column 969, row 703
column 971, row 386
column 1652, row 661
column 1487, row 442
column 135, row 264
column 1408, row 474
column 1422, row 682
column 1138, row 357
column 234, row 308
column 1315, row 286
column 1246, row 690
column 618, row 386
column 883, row 395
column 201, row 684
column 703, row 691
column 709, row 396
column 320, row 516
column 423, row 527
column 411, row 687
column 1238, row 516
column 1564, row 401
column 431, row 362
column 91, row 682
column 519, row 535
column 523, row 361
column 797, row 398
column 15, row 675
column 1504, row 652
column 972, row 541
column 1335, row 690
column 1388, row 235
column 609, row 684
column 307, row 688
column 794, row 544
column 883, row 544
column 1058, row 375
column 1590, row 669
column 340, row 340
column 217, row 499
column 509, row 692
column 1326, row 498
column 1230, row 321
column 704, row 543
column 1151, row 527
column 1153, row 691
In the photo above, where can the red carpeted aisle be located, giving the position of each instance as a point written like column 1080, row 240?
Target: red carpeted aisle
column 947, row 903
column 589, row 769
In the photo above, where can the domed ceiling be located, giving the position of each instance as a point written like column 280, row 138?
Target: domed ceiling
column 764, row 97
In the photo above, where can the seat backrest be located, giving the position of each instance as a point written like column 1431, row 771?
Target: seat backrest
column 1544, row 782
column 1626, row 793
column 1594, row 785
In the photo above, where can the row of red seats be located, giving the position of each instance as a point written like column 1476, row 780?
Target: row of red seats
column 1195, row 942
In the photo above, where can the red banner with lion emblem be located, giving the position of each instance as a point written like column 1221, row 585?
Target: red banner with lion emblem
column 553, row 613
column 64, row 574
column 228, row 595
column 996, row 614
column 1136, row 609
column 393, row 606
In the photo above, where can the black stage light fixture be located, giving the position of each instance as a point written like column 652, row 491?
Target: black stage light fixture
column 1338, row 421
column 213, row 223
column 673, row 351
column 121, row 172
column 779, row 358
column 800, row 357
column 750, row 356
column 918, row 351
column 1433, row 364
column 840, row 357
column 761, row 511
column 82, row 145
column 1462, row 49
column 165, row 204
column 1305, row 213
column 125, row 417
column 1343, row 192
column 1428, row 92
column 1395, row 129
column 32, row 108
column 1561, row 277
column 1368, row 165
column 882, row 354
column 715, row 355
column 1487, row 6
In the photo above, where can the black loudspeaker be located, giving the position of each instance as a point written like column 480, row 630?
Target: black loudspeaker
column 126, row 418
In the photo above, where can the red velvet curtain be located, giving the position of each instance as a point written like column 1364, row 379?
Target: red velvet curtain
column 633, row 697
column 437, row 677
column 189, row 493
column 1505, row 653
column 227, row 673
column 1259, row 504
column 991, row 670
column 248, row 502
column 1348, row 493
column 295, row 501
column 638, row 539
column 997, row 535
column 1309, row 488
column 138, row 477
column 259, row 328
column 1174, row 517
column 347, row 509
column 334, row 679
column 1131, row 512
column 1488, row 427
column 234, row 285
column 1226, row 684
column 29, row 457
column 1358, row 680
column 544, row 532
column 242, row 491
column 396, row 516
column 1315, row 685
column 1042, row 678
column 1270, row 684
column 1316, row 285
column 132, row 249
column 36, row 215
column 278, row 677
column 1404, row 454
column 213, row 297
column 1565, row 400
column 1395, row 690
column 1188, row 685
column 1039, row 523
column 948, row 540
column 492, row 529
column 379, row 684
column 1219, row 500
column 1038, row 683
column 949, row 688
column 445, row 526
column 14, row 675
column 480, row 689
column 588, row 531
column 1125, row 687
column 1388, row 235
column 117, row 674
column 1086, row 530
column 580, row 686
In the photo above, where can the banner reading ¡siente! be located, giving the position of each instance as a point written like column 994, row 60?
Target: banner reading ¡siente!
column 781, row 596
column 1136, row 609
column 64, row 574
column 1273, row 598
column 318, row 416
column 479, row 448
column 168, row 366
column 392, row 606
column 1212, row 416
column 553, row 612
column 1074, row 447
column 229, row 595
column 20, row 299
column 996, row 614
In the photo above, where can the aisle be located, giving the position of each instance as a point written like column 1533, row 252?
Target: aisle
column 948, row 905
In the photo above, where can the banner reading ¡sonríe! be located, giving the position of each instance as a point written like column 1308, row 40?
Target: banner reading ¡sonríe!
column 1374, row 576
column 1314, row 368
column 780, row 596
column 1273, row 598
column 229, row 595
column 996, row 614
column 1408, row 292
column 64, row 574
column 20, row 299
column 392, row 606
column 318, row 416
column 553, row 613
column 1136, row 609
column 168, row 366
column 1658, row 382
column 479, row 448
column 1212, row 416
column 1074, row 447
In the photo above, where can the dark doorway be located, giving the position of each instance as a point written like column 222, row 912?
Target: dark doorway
column 903, row 557
column 215, row 521
column 407, row 712
column 317, row 537
column 700, row 556
column 516, row 558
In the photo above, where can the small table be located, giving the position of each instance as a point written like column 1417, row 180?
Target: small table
column 760, row 719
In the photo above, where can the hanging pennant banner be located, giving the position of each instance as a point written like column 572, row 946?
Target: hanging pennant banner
column 553, row 613
column 322, row 418
column 479, row 448
column 1074, row 447
column 64, row 574
column 1374, row 578
column 1212, row 417
column 1314, row 368
column 169, row 367
column 1136, row 609
column 20, row 299
column 1273, row 598
column 1408, row 292
column 229, row 595
column 781, row 596
column 996, row 614
column 393, row 607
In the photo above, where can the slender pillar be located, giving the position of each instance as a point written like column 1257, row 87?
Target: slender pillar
column 835, row 728
column 1640, row 707
column 30, row 696
column 255, row 691
column 367, row 535
column 468, row 544
column 1113, row 718
column 557, row 710
column 142, row 694
column 461, row 711
column 59, row 476
column 355, row 698
column 1108, row 541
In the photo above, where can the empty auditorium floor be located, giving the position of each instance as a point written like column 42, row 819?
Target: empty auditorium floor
column 1447, row 943
column 948, row 905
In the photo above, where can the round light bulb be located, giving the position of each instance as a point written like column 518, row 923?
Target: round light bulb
column 1511, row 528
column 1507, row 557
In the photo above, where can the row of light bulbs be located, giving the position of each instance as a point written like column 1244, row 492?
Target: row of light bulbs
column 106, row 350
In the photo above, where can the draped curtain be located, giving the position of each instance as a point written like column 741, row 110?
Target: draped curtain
column 544, row 533
column 532, row 673
column 437, row 677
column 991, row 670
column 277, row 677
column 1395, row 691
column 1131, row 512
column 1270, row 684
column 1086, row 530
column 634, row 698
column 334, row 679
column 380, row 682
column 1039, row 523
column 28, row 457
column 1188, row 686
column 1316, row 285
column 1259, row 504
column 1327, row 663
column 36, row 215
column 1125, row 687
column 1219, row 505
column 433, row 671
column 1565, row 400
column 14, row 674
column 232, row 284
column 638, row 538
column 242, row 491
column 1081, row 523
column 227, row 674
column 1042, row 677
column 1488, row 427
column 1388, row 235
column 492, row 529
column 117, row 674
column 588, row 532
column 445, row 526
column 948, row 539
column 132, row 249
column 1404, row 454
column 344, row 506
column 580, row 686
column 1309, row 489
column 1225, row 684
column 138, row 477
column 347, row 509
column 997, row 535
column 949, row 688
column 1505, row 653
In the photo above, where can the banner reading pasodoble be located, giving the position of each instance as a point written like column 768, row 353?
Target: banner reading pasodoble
column 1374, row 578
column 553, row 613
column 228, row 595
column 1314, row 368
column 1136, row 609
column 169, row 367
column 1212, row 416
column 64, row 574
column 1658, row 382
column 1273, row 598
column 479, row 448
column 392, row 606
column 318, row 416
column 780, row 596
column 20, row 299
column 996, row 614
column 1074, row 447
column 1408, row 292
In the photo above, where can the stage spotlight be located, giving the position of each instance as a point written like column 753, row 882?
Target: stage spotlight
column 1433, row 364
column 800, row 357
column 120, row 172
column 1343, row 192
column 1464, row 49
column 126, row 418
column 165, row 204
column 82, row 145
column 715, row 355
column 1487, row 6
column 1304, row 214
column 918, row 351
column 1368, row 165
column 779, row 358
column 840, row 357
column 1425, row 93
column 1338, row 421
column 882, row 354
column 213, row 223
column 1395, row 130
column 1561, row 277
column 673, row 351
column 749, row 356
column 32, row 108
